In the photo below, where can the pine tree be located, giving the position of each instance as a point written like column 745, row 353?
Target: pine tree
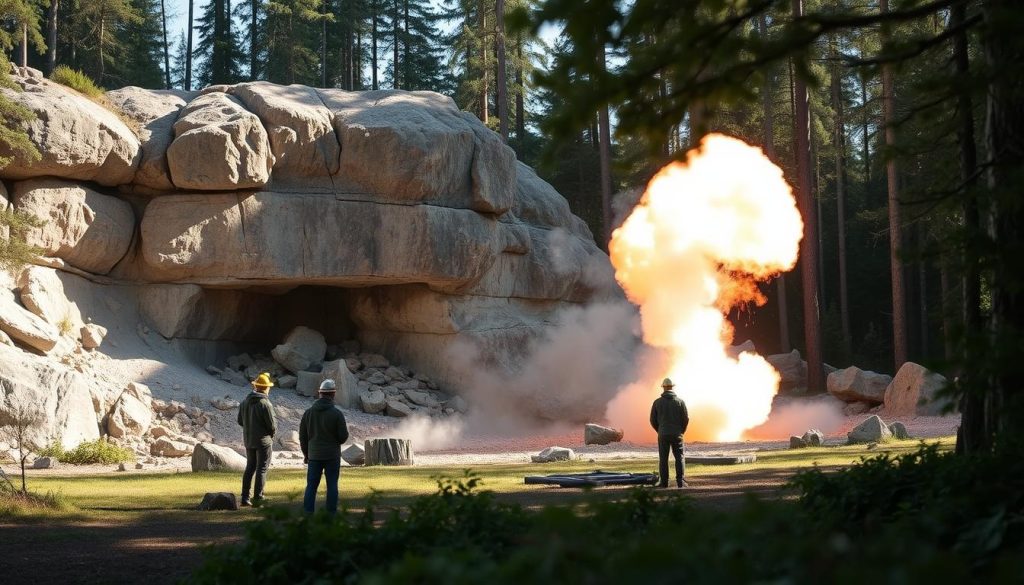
column 293, row 34
column 142, row 49
column 420, row 64
column 218, row 48
column 94, row 29
column 179, row 61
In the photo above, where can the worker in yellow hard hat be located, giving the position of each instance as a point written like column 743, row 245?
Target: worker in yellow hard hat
column 259, row 425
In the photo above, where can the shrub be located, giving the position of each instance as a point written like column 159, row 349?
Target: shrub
column 14, row 502
column 93, row 452
column 900, row 531
column 77, row 81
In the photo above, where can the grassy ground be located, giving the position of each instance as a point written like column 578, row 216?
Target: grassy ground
column 97, row 497
column 118, row 528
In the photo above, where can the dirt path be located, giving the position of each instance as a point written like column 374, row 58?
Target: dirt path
column 164, row 546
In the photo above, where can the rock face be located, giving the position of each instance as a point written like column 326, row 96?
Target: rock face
column 218, row 123
column 241, row 213
column 25, row 327
column 791, row 367
column 856, row 385
column 210, row 457
column 62, row 395
column 85, row 228
column 913, row 392
column 77, row 138
column 42, row 292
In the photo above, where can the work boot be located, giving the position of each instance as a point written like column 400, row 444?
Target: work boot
column 244, row 504
column 682, row 483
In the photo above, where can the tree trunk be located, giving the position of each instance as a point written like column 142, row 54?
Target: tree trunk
column 188, row 49
column 254, row 65
column 809, row 243
column 482, row 18
column 51, row 37
column 395, row 32
column 23, row 47
column 922, row 293
column 357, row 62
column 406, row 72
column 949, row 307
column 388, row 452
column 373, row 43
column 1003, row 407
column 769, row 151
column 899, row 307
column 865, row 143
column 502, row 79
column 840, row 169
column 323, row 45
column 605, row 153
column 520, row 93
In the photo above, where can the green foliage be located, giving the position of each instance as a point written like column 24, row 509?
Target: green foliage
column 90, row 453
column 14, row 251
column 77, row 81
column 910, row 520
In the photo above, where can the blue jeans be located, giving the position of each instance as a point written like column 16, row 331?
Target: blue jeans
column 329, row 468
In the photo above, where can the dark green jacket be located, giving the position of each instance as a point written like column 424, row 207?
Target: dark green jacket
column 256, row 415
column 669, row 416
column 322, row 430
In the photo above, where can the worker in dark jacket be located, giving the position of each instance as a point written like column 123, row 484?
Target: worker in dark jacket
column 321, row 433
column 256, row 415
column 670, row 419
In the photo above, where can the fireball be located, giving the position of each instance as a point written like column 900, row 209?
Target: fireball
column 704, row 233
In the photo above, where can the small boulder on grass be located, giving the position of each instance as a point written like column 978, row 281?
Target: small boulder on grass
column 796, row 442
column 554, row 454
column 873, row 429
column 899, row 430
column 218, row 501
column 814, row 438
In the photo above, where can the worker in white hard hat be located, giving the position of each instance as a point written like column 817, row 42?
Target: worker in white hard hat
column 670, row 419
column 321, row 434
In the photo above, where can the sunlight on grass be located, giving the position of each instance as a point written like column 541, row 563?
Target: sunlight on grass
column 109, row 497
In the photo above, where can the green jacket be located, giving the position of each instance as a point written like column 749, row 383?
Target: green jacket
column 256, row 415
column 669, row 416
column 322, row 430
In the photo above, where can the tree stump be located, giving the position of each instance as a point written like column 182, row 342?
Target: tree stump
column 388, row 452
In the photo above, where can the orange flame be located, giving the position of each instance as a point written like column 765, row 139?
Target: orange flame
column 702, row 235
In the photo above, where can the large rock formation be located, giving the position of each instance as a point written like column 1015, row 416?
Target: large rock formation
column 236, row 214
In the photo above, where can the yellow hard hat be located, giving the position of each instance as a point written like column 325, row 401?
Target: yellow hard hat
column 263, row 381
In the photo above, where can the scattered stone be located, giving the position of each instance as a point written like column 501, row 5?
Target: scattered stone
column 814, row 438
column 213, row 370
column 301, row 348
column 240, row 362
column 598, row 435
column 166, row 447
column 856, row 385
column 218, row 501
column 308, row 383
column 122, row 467
column 796, row 442
column 349, row 347
column 873, row 429
column 233, row 377
column 377, row 379
column 289, row 441
column 459, row 404
column 44, row 463
column 354, row 455
column 140, row 466
column 24, row 326
column 791, row 367
column 398, row 409
column 353, row 364
column 209, row 457
column 132, row 413
column 899, row 431
column 225, row 403
column 734, row 351
column 287, row 381
column 373, row 360
column 159, row 431
column 554, row 454
column 913, row 392
column 373, row 402
column 346, row 384
column 419, row 398
column 855, row 408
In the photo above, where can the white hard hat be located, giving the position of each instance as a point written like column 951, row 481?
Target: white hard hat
column 667, row 383
column 327, row 385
